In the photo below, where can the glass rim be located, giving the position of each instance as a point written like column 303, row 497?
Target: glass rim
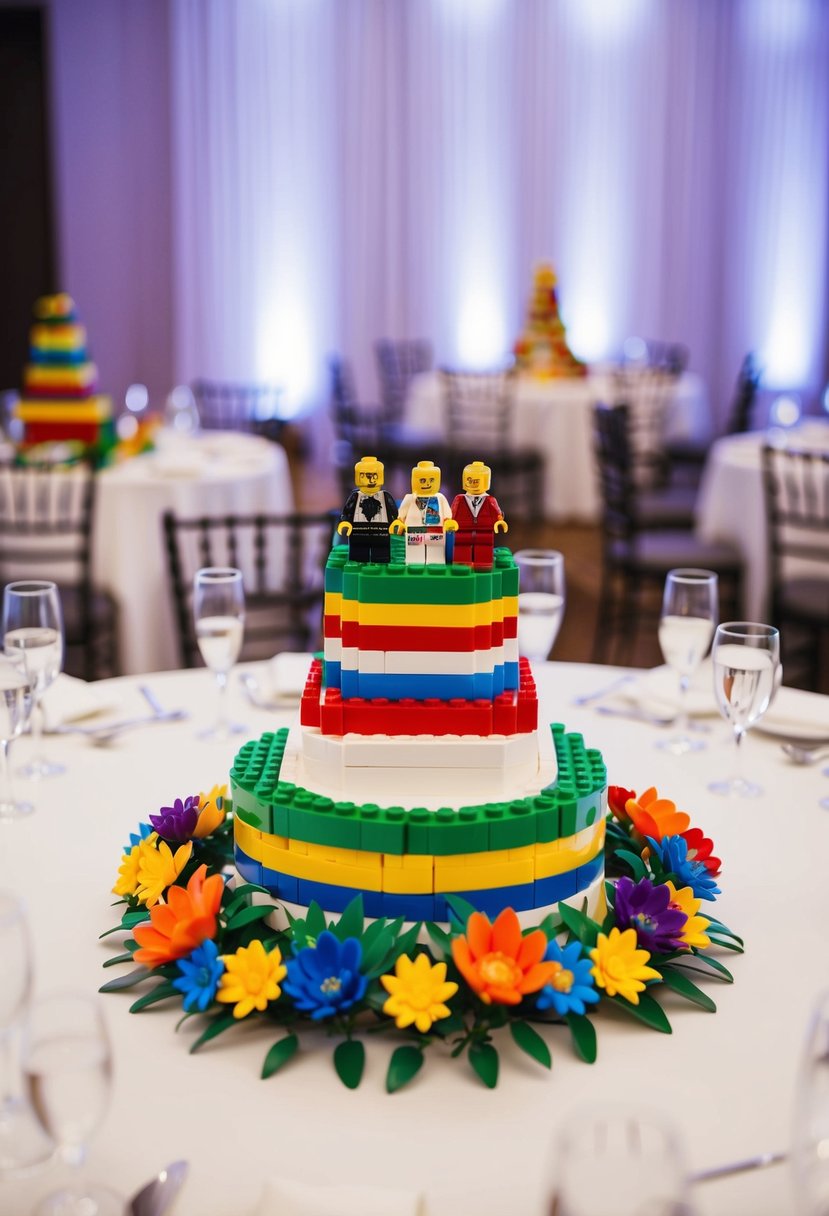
column 30, row 586
column 538, row 556
column 217, row 574
column 692, row 574
column 748, row 629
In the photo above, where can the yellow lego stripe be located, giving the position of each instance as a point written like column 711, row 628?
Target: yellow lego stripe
column 333, row 603
column 93, row 409
column 448, row 615
column 58, row 337
column 419, row 874
column 80, row 374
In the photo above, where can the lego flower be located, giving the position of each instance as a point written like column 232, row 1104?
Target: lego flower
column 700, row 848
column 693, row 931
column 211, row 812
column 617, row 800
column 199, row 976
column 325, row 978
column 655, row 816
column 158, row 868
column 187, row 919
column 127, row 881
column 648, row 910
column 177, row 823
column 498, row 963
column 619, row 966
column 418, row 992
column 251, row 978
column 571, row 988
column 672, row 851
column 144, row 830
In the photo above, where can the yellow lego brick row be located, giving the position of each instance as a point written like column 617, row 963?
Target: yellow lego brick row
column 93, row 409
column 447, row 615
column 80, row 375
column 333, row 603
column 500, row 868
column 335, row 866
column 574, row 851
column 248, row 839
column 412, row 874
column 510, row 603
column 67, row 337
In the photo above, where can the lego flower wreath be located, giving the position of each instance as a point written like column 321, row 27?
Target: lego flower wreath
column 209, row 948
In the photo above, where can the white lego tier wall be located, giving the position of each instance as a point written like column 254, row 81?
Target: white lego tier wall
column 428, row 771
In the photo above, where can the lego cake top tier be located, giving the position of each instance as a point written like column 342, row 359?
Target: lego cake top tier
column 59, row 366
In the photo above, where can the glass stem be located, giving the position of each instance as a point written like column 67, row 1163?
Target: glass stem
column 221, row 681
column 6, row 1091
column 739, row 731
column 682, row 706
column 36, row 729
column 6, row 792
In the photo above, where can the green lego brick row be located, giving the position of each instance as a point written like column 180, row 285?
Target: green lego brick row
column 249, row 814
column 504, row 563
column 257, row 764
column 337, row 558
column 419, row 585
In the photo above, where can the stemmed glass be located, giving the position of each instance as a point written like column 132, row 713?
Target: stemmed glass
column 15, row 704
column 33, row 637
column 686, row 626
column 746, row 656
column 219, row 612
column 619, row 1162
column 810, row 1127
column 541, row 599
column 22, row 1144
column 67, row 1066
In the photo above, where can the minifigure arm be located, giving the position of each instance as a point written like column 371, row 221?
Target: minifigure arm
column 344, row 528
column 450, row 524
column 500, row 525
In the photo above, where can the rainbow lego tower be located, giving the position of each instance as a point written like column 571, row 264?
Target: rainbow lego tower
column 541, row 350
column 417, row 769
column 60, row 402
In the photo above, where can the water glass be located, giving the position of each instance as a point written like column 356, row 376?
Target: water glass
column 33, row 638
column 541, row 599
column 219, row 614
column 686, row 627
column 15, row 707
column 810, row 1128
column 67, row 1066
column 746, row 657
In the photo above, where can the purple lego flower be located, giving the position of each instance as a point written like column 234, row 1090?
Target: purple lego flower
column 177, row 823
column 647, row 909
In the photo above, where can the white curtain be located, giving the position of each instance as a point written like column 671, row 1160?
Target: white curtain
column 345, row 170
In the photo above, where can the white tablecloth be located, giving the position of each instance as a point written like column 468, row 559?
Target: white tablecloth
column 557, row 417
column 726, row 1079
column 731, row 503
column 215, row 473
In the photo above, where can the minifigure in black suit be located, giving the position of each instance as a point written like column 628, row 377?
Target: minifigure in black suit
column 368, row 513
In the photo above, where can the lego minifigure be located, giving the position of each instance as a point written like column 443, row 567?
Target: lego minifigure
column 477, row 517
column 425, row 516
column 367, row 514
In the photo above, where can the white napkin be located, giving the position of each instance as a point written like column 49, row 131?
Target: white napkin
column 796, row 713
column 287, row 675
column 657, row 691
column 286, row 1197
column 70, row 700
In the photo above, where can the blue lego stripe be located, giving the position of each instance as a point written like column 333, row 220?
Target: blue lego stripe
column 510, row 676
column 412, row 907
column 337, row 899
column 418, row 687
column 557, row 887
column 57, row 357
column 281, row 886
column 331, row 673
column 249, row 869
column 590, row 872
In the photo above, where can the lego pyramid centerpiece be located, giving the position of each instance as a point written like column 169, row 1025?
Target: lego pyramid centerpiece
column 417, row 769
column 542, row 349
column 60, row 402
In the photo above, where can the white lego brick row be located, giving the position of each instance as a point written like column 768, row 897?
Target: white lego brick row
column 436, row 663
column 425, row 751
column 371, row 662
column 350, row 657
column 332, row 649
column 510, row 650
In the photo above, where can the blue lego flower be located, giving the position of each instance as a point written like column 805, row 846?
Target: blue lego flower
column 200, row 975
column 672, row 851
column 572, row 988
column 144, row 830
column 325, row 979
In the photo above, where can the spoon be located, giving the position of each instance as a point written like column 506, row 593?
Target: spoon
column 805, row 755
column 158, row 1195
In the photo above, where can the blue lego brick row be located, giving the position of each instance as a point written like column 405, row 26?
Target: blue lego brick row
column 250, row 870
column 493, row 901
column 418, row 687
column 590, row 872
column 511, row 680
column 332, row 674
column 558, row 886
column 412, row 907
column 281, row 886
column 337, row 899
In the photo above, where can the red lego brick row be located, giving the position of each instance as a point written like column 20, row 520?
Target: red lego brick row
column 59, row 391
column 424, row 638
column 331, row 626
column 309, row 706
column 510, row 626
column 46, row 432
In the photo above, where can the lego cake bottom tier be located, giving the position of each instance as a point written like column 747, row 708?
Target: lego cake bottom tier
column 528, row 853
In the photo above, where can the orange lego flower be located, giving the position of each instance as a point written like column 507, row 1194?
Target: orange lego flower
column 656, row 817
column 181, row 924
column 498, row 963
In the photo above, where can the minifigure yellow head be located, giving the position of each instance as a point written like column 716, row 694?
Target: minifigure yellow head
column 476, row 477
column 368, row 474
column 425, row 478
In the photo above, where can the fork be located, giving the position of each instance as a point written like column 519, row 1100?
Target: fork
column 805, row 755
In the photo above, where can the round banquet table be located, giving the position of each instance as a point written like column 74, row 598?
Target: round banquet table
column 726, row 1079
column 213, row 473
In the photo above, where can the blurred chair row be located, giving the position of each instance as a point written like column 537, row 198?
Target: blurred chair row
column 253, row 408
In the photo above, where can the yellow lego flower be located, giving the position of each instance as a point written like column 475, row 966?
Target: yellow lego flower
column 619, row 966
column 693, row 931
column 211, row 812
column 419, row 991
column 127, row 881
column 251, row 978
column 158, row 867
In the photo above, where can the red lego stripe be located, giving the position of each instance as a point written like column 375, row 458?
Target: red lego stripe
column 416, row 637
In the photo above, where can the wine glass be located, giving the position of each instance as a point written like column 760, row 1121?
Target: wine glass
column 33, row 636
column 15, row 704
column 686, row 626
column 746, row 656
column 22, row 1143
column 219, row 612
column 619, row 1161
column 67, row 1066
column 810, row 1124
column 541, row 598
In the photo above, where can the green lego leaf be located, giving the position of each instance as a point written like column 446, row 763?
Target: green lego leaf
column 349, row 1061
column 726, row 943
column 314, row 921
column 680, row 983
column 454, row 1024
column 484, row 1059
column 372, row 931
column 279, row 1055
column 583, row 1034
column 119, row 958
column 531, row 1042
column 637, row 866
column 440, row 937
column 714, row 964
column 551, row 925
column 374, row 958
column 162, row 992
column 218, row 1025
column 723, row 931
column 351, row 922
column 648, row 1011
column 124, row 981
column 460, row 909
column 581, row 926
column 408, row 940
column 241, row 895
column 248, row 916
column 405, row 1063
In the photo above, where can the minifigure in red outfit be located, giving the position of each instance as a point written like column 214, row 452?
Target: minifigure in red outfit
column 478, row 516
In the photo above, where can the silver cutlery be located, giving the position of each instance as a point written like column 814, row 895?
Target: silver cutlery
column 806, row 755
column 636, row 714
column 253, row 691
column 157, row 1196
column 589, row 697
column 760, row 1162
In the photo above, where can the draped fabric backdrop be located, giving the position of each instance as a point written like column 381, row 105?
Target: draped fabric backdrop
column 344, row 170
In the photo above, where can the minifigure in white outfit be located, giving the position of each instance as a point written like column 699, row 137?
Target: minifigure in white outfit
column 425, row 516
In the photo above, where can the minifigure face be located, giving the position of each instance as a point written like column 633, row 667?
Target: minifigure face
column 476, row 478
column 425, row 479
column 368, row 474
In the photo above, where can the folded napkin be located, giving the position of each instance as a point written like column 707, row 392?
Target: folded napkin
column 797, row 714
column 71, row 700
column 285, row 1197
column 287, row 674
column 657, row 692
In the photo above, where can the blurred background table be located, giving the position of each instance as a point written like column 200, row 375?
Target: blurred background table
column 167, row 1104
column 557, row 417
column 207, row 474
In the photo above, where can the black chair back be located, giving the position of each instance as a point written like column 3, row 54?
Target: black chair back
column 740, row 418
column 398, row 361
column 253, row 408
